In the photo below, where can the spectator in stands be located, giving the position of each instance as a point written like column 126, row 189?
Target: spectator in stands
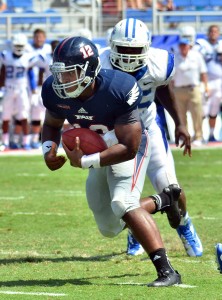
column 3, row 5
column 162, row 5
column 136, row 4
column 190, row 71
column 211, row 50
column 38, row 47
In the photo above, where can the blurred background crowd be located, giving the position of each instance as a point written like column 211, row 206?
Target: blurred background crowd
column 31, row 29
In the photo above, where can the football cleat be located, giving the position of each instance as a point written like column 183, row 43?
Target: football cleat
column 173, row 211
column 14, row 146
column 133, row 247
column 190, row 239
column 166, row 278
column 3, row 147
column 218, row 250
column 26, row 147
column 212, row 139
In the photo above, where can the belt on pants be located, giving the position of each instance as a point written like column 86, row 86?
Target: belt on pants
column 190, row 86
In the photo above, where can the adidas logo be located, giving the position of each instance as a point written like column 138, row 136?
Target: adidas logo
column 156, row 257
column 82, row 111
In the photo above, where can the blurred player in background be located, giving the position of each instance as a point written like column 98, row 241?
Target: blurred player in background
column 130, row 52
column 211, row 49
column 105, row 101
column 16, row 69
column 38, row 47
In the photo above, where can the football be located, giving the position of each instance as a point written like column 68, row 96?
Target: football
column 90, row 141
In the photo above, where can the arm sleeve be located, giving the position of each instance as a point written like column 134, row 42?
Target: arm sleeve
column 32, row 81
column 129, row 117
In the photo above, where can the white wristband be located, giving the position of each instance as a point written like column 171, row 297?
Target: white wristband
column 46, row 147
column 90, row 161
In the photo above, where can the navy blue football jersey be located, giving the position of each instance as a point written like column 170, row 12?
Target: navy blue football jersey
column 117, row 93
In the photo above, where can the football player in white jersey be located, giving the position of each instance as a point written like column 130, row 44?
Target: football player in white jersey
column 130, row 52
column 38, row 47
column 16, row 67
column 211, row 50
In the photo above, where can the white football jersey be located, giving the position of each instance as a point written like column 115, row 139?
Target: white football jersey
column 17, row 68
column 209, row 52
column 159, row 71
column 44, row 63
column 45, row 50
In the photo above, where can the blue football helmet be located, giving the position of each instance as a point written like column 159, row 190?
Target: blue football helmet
column 77, row 56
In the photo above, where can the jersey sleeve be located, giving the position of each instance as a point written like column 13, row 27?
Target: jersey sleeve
column 130, row 97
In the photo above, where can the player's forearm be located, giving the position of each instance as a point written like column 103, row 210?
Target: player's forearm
column 50, row 133
column 167, row 98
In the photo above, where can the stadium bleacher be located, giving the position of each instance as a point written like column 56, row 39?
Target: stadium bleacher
column 28, row 14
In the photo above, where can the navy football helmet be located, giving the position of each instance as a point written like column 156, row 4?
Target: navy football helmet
column 75, row 64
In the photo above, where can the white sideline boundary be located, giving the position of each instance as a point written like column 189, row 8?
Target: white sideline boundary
column 33, row 294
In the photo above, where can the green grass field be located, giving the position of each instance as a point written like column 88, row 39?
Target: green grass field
column 50, row 247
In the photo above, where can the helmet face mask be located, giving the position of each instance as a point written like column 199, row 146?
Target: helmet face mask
column 69, row 82
column 75, row 66
column 134, row 36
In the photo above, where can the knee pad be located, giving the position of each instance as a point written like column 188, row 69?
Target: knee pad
column 212, row 117
column 119, row 208
column 18, row 122
column 36, row 123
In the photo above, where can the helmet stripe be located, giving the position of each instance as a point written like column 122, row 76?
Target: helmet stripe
column 62, row 44
column 130, row 27
column 127, row 26
column 134, row 28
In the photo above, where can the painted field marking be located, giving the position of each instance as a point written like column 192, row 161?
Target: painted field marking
column 33, row 294
column 12, row 198
column 185, row 286
column 38, row 213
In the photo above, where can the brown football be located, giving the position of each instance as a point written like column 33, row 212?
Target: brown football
column 90, row 141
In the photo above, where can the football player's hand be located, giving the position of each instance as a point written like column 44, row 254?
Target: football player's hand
column 181, row 133
column 74, row 155
column 53, row 161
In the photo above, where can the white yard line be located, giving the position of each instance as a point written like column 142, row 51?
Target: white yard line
column 38, row 213
column 12, row 198
column 33, row 294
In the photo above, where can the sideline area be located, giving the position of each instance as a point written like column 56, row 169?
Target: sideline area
column 22, row 152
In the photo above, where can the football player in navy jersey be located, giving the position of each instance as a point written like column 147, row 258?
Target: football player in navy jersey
column 105, row 101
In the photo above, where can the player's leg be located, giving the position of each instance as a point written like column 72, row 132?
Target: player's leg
column 23, row 111
column 17, row 132
column 37, row 114
column 214, row 101
column 7, row 113
column 125, row 204
column 99, row 199
column 161, row 172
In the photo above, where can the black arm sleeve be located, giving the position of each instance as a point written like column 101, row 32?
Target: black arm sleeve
column 129, row 117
